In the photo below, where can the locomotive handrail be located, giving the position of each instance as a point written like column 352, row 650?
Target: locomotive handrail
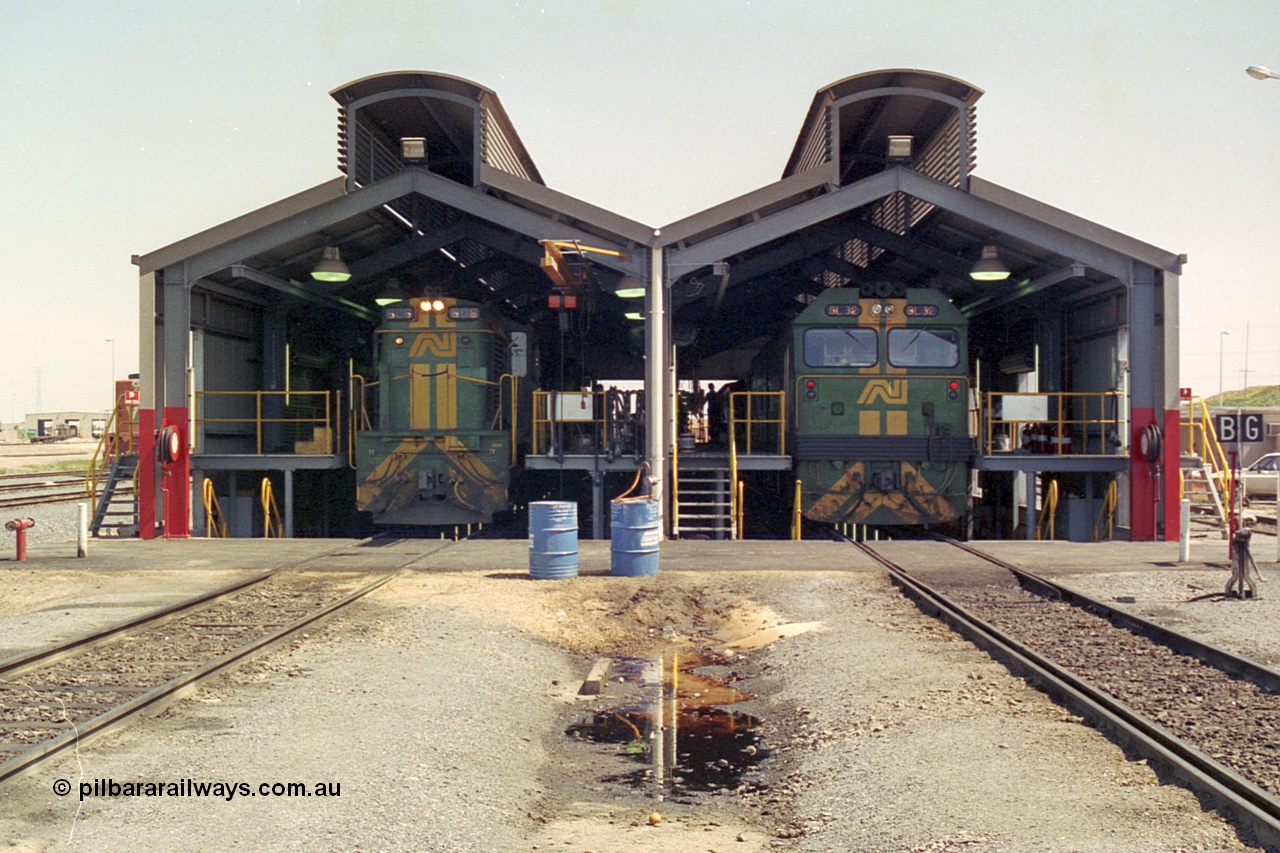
column 515, row 409
column 1057, row 428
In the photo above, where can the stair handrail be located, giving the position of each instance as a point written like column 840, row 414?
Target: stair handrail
column 108, row 453
column 214, row 520
column 1211, row 448
column 734, row 509
column 268, row 497
column 1048, row 510
column 1109, row 510
column 675, row 487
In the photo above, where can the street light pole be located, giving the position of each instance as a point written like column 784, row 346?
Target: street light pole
column 1259, row 72
column 1222, row 336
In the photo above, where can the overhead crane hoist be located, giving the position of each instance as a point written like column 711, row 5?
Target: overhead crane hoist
column 567, row 286
column 567, row 279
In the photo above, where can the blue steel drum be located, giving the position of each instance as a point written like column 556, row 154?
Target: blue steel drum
column 633, row 550
column 553, row 540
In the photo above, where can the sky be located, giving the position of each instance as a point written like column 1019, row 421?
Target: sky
column 132, row 125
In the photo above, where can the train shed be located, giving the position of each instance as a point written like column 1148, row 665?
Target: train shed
column 253, row 330
column 251, row 360
column 1077, row 327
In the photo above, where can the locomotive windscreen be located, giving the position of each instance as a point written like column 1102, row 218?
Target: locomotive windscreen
column 924, row 347
column 840, row 347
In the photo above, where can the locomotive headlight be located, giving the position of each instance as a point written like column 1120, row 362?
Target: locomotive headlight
column 399, row 340
column 437, row 305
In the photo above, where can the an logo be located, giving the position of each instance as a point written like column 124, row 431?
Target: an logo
column 440, row 344
column 892, row 391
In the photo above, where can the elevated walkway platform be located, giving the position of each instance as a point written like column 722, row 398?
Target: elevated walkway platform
column 1083, row 463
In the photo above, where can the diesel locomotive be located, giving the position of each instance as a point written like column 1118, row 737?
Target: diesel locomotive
column 441, row 430
column 878, row 405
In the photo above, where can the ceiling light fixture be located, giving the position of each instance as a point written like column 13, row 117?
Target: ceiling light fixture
column 331, row 268
column 989, row 267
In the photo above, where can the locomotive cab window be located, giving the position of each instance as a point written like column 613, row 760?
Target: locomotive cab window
column 924, row 347
column 840, row 347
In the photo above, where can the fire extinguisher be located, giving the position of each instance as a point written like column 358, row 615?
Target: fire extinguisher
column 1066, row 441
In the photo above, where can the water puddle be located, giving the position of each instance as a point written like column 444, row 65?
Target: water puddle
column 671, row 724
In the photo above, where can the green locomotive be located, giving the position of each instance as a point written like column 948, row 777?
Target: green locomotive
column 446, row 437
column 878, row 405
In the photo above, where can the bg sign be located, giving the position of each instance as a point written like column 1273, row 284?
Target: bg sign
column 1245, row 428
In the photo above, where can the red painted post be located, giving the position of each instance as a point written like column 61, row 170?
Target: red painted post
column 20, row 527
column 177, row 478
column 1142, row 481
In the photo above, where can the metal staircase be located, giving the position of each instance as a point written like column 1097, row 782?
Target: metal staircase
column 117, row 506
column 704, row 503
column 1206, row 474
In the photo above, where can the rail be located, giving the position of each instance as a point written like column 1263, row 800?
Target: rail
column 242, row 421
column 205, row 641
column 764, row 409
column 1226, row 789
column 1108, row 511
column 1052, row 421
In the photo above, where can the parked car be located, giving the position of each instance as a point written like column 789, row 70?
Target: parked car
column 1259, row 479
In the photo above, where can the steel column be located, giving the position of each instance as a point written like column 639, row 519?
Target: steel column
column 176, row 477
column 1172, row 407
column 656, row 343
column 1143, row 368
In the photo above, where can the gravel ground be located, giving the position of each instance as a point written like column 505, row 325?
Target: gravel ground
column 440, row 706
column 58, row 522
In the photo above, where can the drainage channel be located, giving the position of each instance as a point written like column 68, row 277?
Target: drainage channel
column 669, row 721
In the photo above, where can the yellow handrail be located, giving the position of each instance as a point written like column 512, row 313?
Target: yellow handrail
column 515, row 409
column 1060, row 424
column 267, row 494
column 796, row 515
column 214, row 521
column 1208, row 447
column 734, row 507
column 201, row 421
column 750, row 420
column 1109, row 510
column 675, row 486
column 1048, row 509
column 741, row 511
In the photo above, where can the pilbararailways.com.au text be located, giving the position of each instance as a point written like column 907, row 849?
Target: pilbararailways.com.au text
column 193, row 788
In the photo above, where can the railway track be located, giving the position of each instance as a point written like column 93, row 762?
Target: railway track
column 22, row 490
column 55, row 698
column 1207, row 717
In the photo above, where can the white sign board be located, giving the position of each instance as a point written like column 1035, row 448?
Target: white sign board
column 1029, row 407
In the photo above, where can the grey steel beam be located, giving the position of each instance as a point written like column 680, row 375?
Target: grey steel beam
column 793, row 190
column 1020, row 291
column 617, row 228
column 931, row 258
column 769, row 228
column 234, row 229
column 294, row 288
column 1144, row 371
column 149, row 341
column 402, row 253
column 1018, row 224
column 176, row 297
column 1092, row 232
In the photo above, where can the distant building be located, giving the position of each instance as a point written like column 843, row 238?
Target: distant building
column 54, row 426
